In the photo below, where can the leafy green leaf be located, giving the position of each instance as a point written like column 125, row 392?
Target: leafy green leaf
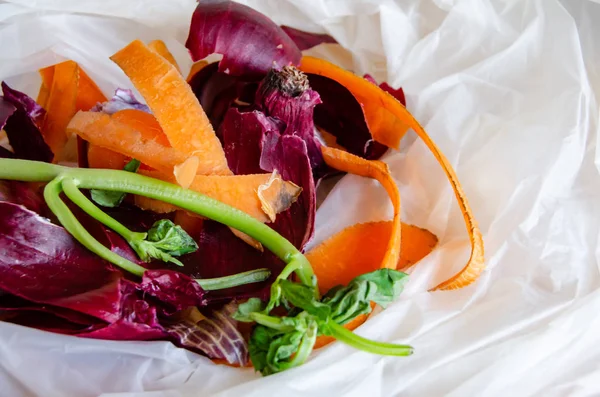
column 303, row 296
column 380, row 286
column 273, row 351
column 389, row 283
column 164, row 241
column 244, row 310
column 112, row 199
column 171, row 238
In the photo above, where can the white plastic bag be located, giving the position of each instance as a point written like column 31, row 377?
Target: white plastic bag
column 508, row 92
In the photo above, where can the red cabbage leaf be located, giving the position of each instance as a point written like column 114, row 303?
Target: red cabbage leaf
column 122, row 99
column 251, row 44
column 216, row 335
column 173, row 288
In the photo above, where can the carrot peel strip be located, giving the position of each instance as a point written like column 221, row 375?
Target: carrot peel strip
column 161, row 49
column 378, row 170
column 60, row 106
column 388, row 120
column 174, row 105
column 360, row 248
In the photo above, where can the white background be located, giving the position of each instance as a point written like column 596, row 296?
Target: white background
column 507, row 89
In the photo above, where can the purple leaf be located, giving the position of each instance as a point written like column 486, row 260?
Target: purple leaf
column 341, row 115
column 42, row 263
column 23, row 193
column 173, row 288
column 305, row 40
column 220, row 253
column 47, row 320
column 251, row 44
column 21, row 125
column 122, row 99
column 15, row 305
column 127, row 330
column 216, row 336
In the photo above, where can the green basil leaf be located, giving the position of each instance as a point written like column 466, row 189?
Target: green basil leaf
column 389, row 283
column 111, row 199
column 273, row 351
column 381, row 286
column 171, row 238
column 244, row 310
column 303, row 297
column 164, row 241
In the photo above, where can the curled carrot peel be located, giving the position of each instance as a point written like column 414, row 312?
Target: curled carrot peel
column 360, row 249
column 388, row 120
column 161, row 49
column 378, row 170
column 174, row 105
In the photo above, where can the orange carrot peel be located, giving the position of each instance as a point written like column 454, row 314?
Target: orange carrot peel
column 174, row 105
column 388, row 121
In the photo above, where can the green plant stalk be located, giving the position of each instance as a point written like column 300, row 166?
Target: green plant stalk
column 123, row 181
column 251, row 276
column 74, row 194
column 69, row 221
column 71, row 224
column 306, row 347
column 271, row 322
column 358, row 342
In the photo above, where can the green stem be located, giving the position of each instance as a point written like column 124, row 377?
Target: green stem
column 271, row 322
column 252, row 276
column 358, row 342
column 71, row 224
column 306, row 347
column 127, row 182
column 75, row 195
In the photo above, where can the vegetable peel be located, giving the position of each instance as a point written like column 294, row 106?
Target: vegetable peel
column 388, row 120
column 360, row 249
column 347, row 162
column 174, row 105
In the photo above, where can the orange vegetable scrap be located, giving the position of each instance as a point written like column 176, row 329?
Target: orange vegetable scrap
column 88, row 93
column 343, row 256
column 61, row 105
column 65, row 89
column 116, row 133
column 161, row 49
column 388, row 120
column 174, row 105
column 378, row 170
column 47, row 75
